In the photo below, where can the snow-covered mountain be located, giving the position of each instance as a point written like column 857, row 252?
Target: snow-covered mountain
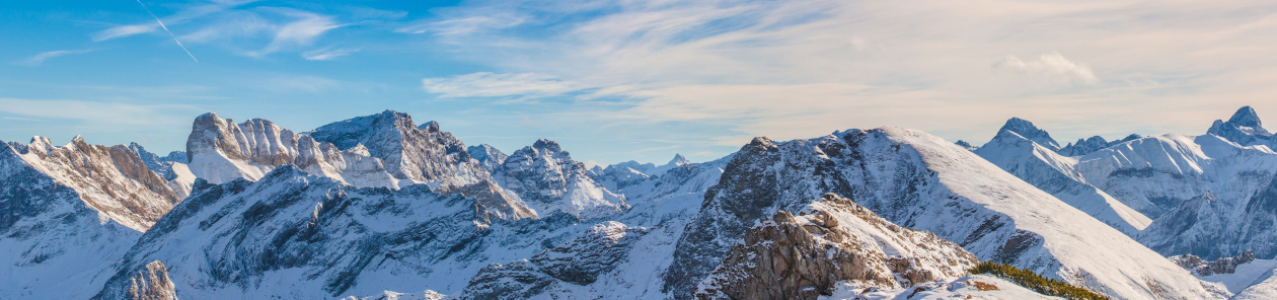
column 292, row 234
column 1027, row 130
column 1057, row 175
column 923, row 182
column 375, row 204
column 621, row 176
column 1243, row 128
column 1092, row 144
column 69, row 212
column 548, row 180
column 490, row 157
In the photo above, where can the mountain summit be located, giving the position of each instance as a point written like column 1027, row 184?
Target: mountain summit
column 1243, row 128
column 1027, row 130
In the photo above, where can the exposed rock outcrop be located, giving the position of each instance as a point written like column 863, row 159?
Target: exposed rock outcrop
column 594, row 252
column 831, row 241
column 1223, row 265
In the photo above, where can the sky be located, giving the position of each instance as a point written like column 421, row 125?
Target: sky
column 623, row 80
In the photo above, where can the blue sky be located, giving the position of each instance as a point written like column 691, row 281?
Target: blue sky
column 620, row 80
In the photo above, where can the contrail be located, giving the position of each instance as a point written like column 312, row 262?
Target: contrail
column 170, row 33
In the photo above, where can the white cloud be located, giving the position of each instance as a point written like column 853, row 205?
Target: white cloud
column 299, row 33
column 768, row 67
column 124, row 31
column 485, row 84
column 1052, row 68
column 464, row 26
column 327, row 53
column 40, row 58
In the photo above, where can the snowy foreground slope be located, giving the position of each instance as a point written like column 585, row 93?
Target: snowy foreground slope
column 68, row 212
column 923, row 182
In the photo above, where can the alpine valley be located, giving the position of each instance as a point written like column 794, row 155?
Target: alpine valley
column 385, row 207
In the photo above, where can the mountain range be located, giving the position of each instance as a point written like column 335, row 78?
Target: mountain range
column 382, row 207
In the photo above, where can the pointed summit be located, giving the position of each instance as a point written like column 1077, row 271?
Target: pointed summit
column 1243, row 128
column 1247, row 117
column 1026, row 129
column 679, row 159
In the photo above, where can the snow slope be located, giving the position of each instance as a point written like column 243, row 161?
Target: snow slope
column 923, row 182
column 1057, row 175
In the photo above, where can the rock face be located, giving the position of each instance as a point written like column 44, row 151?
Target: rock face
column 152, row 283
column 420, row 154
column 112, row 180
column 548, row 180
column 292, row 234
column 594, row 252
column 923, row 182
column 1058, row 175
column 67, row 213
column 831, row 241
column 490, row 157
column 382, row 150
column 175, row 168
column 220, row 150
column 1200, row 267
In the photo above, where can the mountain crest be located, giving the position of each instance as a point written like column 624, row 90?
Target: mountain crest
column 547, row 145
column 1026, row 129
column 1246, row 116
column 1244, row 128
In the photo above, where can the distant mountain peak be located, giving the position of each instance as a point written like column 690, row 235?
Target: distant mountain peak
column 1246, row 116
column 1244, row 128
column 1026, row 129
column 679, row 160
column 547, row 145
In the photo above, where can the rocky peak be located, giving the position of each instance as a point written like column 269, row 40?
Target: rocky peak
column 965, row 145
column 220, row 150
column 679, row 160
column 547, row 146
column 1247, row 117
column 1026, row 129
column 422, row 154
column 1244, row 128
column 549, row 180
